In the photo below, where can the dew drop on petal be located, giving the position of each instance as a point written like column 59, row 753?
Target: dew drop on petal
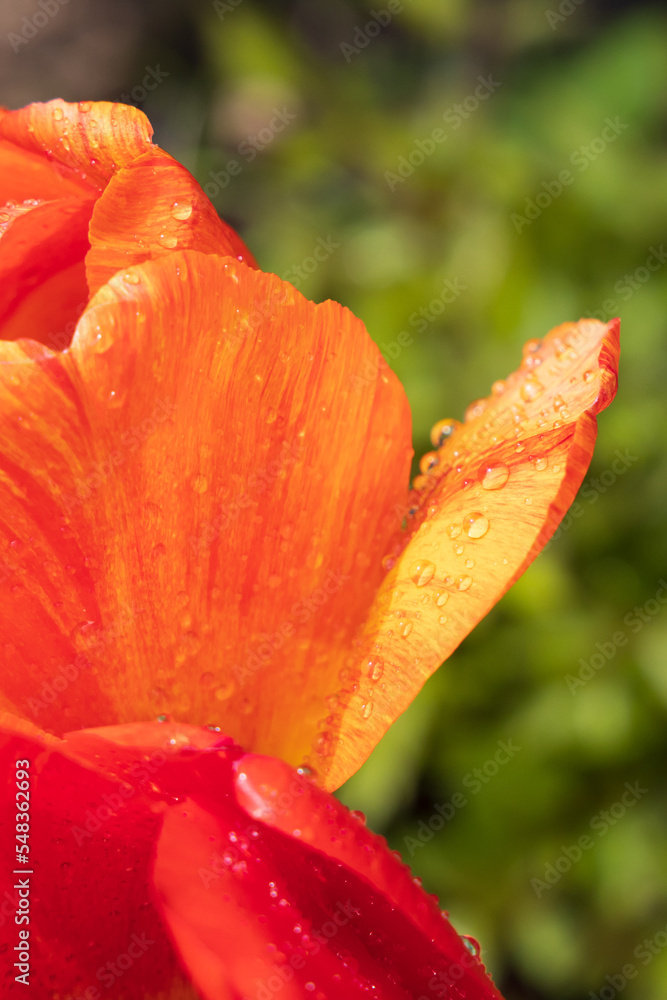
column 428, row 462
column 471, row 944
column 475, row 524
column 58, row 114
column 440, row 598
column 530, row 389
column 454, row 530
column 443, row 430
column 406, row 628
column 463, row 582
column 168, row 241
column 181, row 210
column 367, row 710
column 541, row 464
column 589, row 376
column 422, row 572
column 494, row 477
column 375, row 669
column 200, row 484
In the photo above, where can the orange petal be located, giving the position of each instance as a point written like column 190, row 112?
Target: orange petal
column 85, row 143
column 42, row 273
column 502, row 482
column 152, row 207
column 194, row 503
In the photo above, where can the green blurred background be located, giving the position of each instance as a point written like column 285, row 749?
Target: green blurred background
column 334, row 105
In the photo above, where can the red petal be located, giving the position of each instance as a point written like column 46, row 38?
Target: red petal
column 42, row 274
column 502, row 482
column 303, row 900
column 85, row 142
column 166, row 543
column 92, row 924
column 150, row 208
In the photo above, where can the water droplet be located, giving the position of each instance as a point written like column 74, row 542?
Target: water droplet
column 531, row 346
column 498, row 387
column 528, row 501
column 494, row 477
column 443, row 430
column 306, row 771
column 464, row 582
column 388, row 563
column 530, row 389
column 84, row 106
column 358, row 814
column 375, row 669
column 200, row 484
column 367, row 710
column 589, row 376
column 458, row 549
column 442, row 620
column 475, row 524
column 168, row 241
column 422, row 572
column 475, row 409
column 541, row 464
column 406, row 628
column 428, row 462
column 471, row 944
column 58, row 114
column 454, row 530
column 440, row 598
column 559, row 403
column 225, row 690
column 132, row 278
column 181, row 210
column 470, row 563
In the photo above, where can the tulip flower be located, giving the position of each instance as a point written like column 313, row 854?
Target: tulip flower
column 205, row 520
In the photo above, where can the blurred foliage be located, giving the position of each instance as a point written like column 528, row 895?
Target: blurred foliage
column 347, row 119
